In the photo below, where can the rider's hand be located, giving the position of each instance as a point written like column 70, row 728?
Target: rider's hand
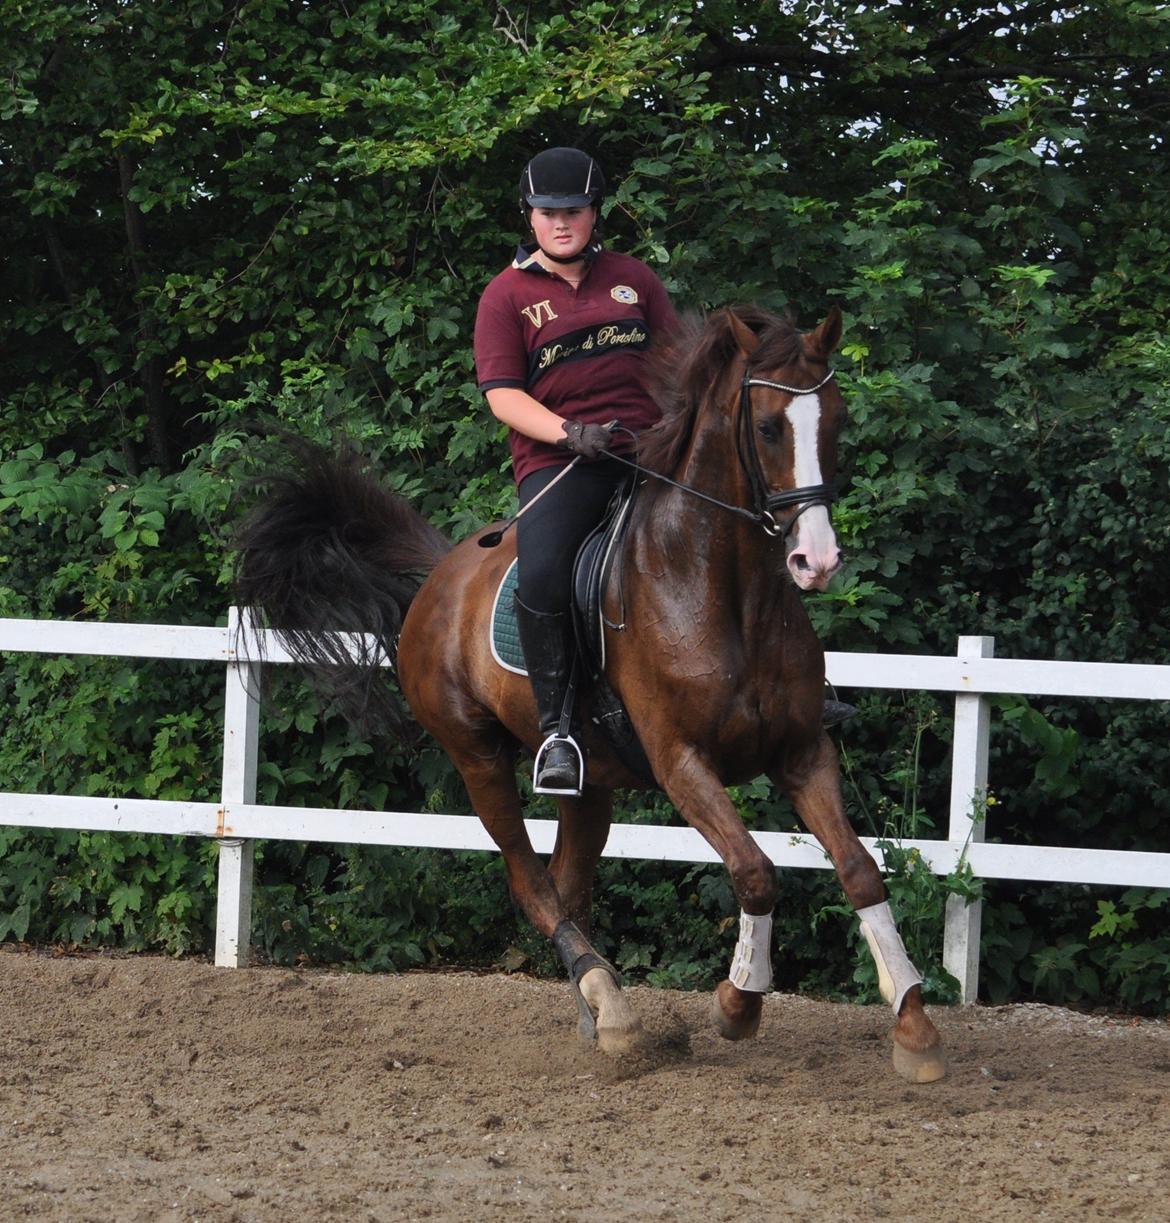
column 589, row 441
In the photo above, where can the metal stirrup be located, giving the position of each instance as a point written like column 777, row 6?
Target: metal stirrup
column 570, row 742
column 563, row 734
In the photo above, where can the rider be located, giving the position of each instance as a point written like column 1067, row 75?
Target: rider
column 558, row 339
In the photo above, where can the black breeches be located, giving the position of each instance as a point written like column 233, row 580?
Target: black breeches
column 549, row 534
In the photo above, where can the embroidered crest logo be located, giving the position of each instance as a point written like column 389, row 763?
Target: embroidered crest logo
column 624, row 294
column 539, row 314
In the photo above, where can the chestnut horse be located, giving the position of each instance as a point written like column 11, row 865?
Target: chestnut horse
column 715, row 661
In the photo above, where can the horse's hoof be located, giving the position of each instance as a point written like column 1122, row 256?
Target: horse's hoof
column 736, row 1014
column 619, row 1030
column 620, row 1041
column 617, row 1026
column 928, row 1066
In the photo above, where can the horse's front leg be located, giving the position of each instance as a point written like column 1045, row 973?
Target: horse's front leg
column 699, row 796
column 811, row 777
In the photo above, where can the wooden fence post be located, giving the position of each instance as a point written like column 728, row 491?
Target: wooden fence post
column 968, row 799
column 241, row 737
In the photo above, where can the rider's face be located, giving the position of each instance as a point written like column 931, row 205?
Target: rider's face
column 563, row 231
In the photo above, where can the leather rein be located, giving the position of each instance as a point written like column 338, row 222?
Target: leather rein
column 765, row 503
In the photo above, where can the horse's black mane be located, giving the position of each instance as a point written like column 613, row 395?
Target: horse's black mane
column 681, row 373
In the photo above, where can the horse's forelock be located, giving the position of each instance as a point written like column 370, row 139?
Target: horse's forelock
column 682, row 372
column 779, row 340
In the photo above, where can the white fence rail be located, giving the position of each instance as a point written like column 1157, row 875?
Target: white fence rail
column 237, row 820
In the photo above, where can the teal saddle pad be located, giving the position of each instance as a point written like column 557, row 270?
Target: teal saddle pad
column 505, row 635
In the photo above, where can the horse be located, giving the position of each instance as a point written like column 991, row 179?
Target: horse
column 708, row 646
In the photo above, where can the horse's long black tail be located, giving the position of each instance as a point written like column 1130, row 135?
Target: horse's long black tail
column 328, row 550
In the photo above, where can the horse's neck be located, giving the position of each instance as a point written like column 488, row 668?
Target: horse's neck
column 714, row 562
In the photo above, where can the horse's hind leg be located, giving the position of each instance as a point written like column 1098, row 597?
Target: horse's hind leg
column 812, row 779
column 605, row 1014
column 491, row 784
column 582, row 831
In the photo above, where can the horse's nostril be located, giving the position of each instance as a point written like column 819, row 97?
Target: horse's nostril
column 799, row 560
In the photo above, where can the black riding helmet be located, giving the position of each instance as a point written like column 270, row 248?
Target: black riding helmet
column 561, row 178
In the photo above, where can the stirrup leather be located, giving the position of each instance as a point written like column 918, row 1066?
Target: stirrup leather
column 551, row 741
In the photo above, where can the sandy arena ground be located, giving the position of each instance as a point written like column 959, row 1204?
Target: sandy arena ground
column 153, row 1089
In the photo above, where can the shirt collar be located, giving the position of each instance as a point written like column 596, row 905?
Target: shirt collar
column 526, row 260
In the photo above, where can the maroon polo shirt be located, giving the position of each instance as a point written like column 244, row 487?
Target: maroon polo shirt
column 575, row 350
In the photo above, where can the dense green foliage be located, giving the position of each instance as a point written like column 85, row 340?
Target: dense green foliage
column 218, row 212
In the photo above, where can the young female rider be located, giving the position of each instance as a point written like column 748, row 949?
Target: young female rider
column 558, row 339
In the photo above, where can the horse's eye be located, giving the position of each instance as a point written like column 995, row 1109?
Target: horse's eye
column 768, row 431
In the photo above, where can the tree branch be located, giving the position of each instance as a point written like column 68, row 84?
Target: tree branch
column 157, row 407
column 803, row 65
column 958, row 40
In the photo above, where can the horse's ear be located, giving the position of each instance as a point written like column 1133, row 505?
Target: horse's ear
column 745, row 338
column 823, row 342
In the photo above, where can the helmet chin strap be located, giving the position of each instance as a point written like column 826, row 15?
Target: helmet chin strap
column 561, row 258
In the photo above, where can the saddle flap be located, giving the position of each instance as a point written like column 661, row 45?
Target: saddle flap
column 591, row 571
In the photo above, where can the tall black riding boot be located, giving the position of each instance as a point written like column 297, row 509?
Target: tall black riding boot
column 549, row 650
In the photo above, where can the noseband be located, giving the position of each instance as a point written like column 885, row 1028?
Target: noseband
column 767, row 503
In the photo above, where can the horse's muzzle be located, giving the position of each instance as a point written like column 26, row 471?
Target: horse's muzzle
column 809, row 575
column 815, row 554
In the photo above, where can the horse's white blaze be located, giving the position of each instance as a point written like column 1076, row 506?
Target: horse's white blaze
column 804, row 415
column 815, row 555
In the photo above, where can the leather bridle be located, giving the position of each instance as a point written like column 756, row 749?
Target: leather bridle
column 767, row 503
column 764, row 503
